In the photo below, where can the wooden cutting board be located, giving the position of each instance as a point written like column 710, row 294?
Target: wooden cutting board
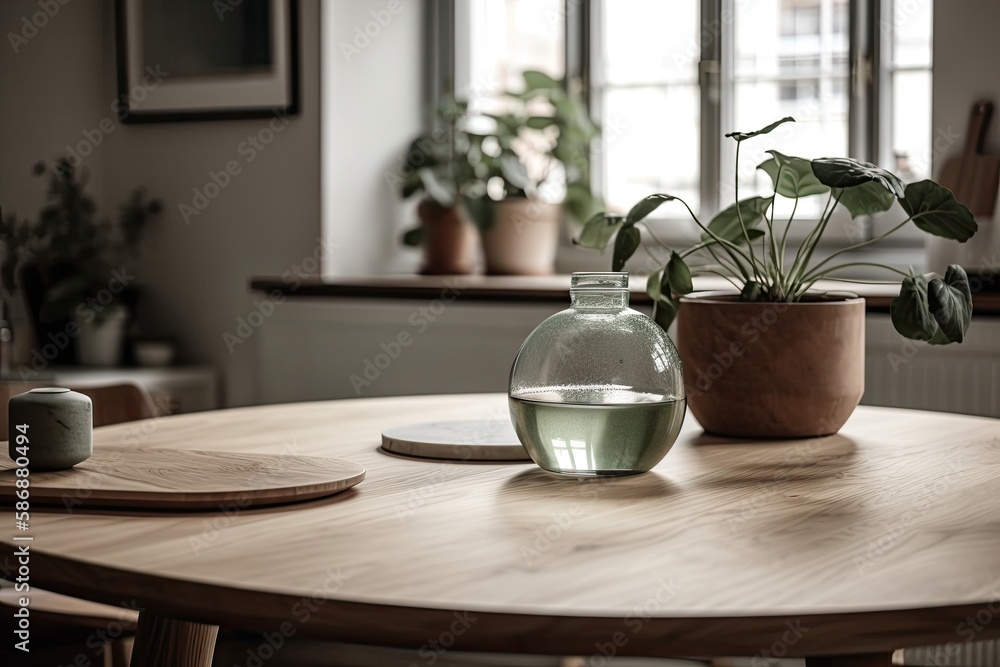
column 126, row 477
column 973, row 176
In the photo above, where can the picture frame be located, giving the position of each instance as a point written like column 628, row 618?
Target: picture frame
column 190, row 60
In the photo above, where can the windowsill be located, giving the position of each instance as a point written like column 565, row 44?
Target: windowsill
column 535, row 289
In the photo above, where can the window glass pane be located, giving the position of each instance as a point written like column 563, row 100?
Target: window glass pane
column 507, row 37
column 646, row 83
column 908, row 27
column 651, row 152
column 790, row 59
column 911, row 29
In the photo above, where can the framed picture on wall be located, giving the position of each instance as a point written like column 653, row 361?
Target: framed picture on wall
column 197, row 60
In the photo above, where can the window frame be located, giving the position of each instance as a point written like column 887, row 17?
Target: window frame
column 869, row 97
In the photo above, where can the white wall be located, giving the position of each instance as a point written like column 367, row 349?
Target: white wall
column 374, row 106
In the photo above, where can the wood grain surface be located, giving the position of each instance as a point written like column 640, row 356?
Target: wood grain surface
column 170, row 479
column 884, row 536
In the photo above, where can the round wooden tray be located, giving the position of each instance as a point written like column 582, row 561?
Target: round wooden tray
column 461, row 440
column 172, row 479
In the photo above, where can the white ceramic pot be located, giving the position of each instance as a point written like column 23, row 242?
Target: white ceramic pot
column 100, row 340
column 523, row 238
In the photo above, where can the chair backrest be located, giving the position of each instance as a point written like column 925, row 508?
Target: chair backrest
column 117, row 403
column 113, row 403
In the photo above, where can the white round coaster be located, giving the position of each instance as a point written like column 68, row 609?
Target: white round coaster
column 462, row 440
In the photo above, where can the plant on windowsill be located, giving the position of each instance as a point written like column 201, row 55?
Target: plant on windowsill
column 550, row 132
column 72, row 266
column 776, row 358
column 505, row 173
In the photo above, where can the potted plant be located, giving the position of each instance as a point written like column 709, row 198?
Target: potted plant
column 510, row 174
column 547, row 134
column 443, row 167
column 72, row 265
column 776, row 358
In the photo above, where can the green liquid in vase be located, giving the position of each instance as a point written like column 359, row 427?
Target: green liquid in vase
column 596, row 431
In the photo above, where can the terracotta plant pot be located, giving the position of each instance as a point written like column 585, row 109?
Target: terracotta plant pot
column 772, row 370
column 449, row 240
column 523, row 238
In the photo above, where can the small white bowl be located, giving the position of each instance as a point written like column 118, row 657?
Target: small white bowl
column 154, row 353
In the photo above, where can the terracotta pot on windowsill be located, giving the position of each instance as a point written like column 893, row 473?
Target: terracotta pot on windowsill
column 523, row 238
column 449, row 240
column 772, row 370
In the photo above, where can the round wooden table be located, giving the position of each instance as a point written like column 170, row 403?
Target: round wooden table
column 884, row 536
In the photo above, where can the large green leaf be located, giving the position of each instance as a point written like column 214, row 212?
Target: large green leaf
column 751, row 291
column 514, row 171
column 598, row 231
column 435, row 189
column 665, row 311
column 910, row 311
column 413, row 237
column 534, row 80
column 937, row 212
column 645, row 206
column 796, row 176
column 726, row 224
column 950, row 301
column 865, row 199
column 626, row 244
column 678, row 275
column 844, row 172
column 741, row 136
column 539, row 122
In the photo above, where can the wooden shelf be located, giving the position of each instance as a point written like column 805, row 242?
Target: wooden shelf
column 540, row 289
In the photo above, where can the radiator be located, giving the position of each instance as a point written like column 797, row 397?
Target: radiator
column 963, row 378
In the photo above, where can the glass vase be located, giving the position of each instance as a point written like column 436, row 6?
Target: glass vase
column 597, row 389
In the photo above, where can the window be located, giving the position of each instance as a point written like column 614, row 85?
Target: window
column 666, row 81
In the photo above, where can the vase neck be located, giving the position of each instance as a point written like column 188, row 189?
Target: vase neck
column 599, row 291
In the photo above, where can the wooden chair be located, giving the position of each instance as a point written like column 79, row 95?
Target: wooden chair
column 66, row 627
column 113, row 403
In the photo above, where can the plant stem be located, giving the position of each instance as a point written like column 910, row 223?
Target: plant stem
column 807, row 283
column 739, row 215
column 811, row 242
column 726, row 245
column 856, row 247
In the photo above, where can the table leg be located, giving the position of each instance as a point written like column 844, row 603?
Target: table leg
column 863, row 660
column 161, row 641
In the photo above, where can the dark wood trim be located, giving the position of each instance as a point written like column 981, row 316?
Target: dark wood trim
column 129, row 116
column 518, row 290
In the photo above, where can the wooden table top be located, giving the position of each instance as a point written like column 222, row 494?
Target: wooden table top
column 884, row 536
column 548, row 289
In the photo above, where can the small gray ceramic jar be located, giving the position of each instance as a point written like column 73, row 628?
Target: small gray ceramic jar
column 56, row 425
